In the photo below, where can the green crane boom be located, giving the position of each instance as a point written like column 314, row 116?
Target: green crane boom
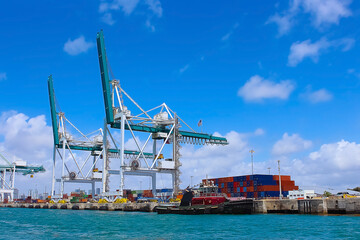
column 104, row 72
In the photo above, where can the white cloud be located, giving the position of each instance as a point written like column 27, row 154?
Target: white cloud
column 215, row 161
column 29, row 139
column 321, row 95
column 231, row 32
column 226, row 36
column 326, row 11
column 77, row 46
column 108, row 19
column 290, row 144
column 301, row 50
column 353, row 72
column 127, row 6
column 284, row 23
column 149, row 25
column 155, row 7
column 183, row 69
column 259, row 132
column 334, row 166
column 323, row 12
column 306, row 49
column 258, row 88
column 345, row 43
column 343, row 155
column 3, row 76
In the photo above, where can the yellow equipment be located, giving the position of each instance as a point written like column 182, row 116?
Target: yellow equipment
column 102, row 201
column 121, row 200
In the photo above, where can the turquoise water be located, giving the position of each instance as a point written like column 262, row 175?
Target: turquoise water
column 20, row 223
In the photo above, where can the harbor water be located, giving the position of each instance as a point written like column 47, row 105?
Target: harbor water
column 22, row 223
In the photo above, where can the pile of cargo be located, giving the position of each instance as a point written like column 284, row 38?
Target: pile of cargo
column 254, row 186
column 76, row 197
column 136, row 194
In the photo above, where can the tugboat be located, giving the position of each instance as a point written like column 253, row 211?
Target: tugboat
column 207, row 200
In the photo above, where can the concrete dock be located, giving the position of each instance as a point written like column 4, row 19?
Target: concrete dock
column 304, row 206
column 131, row 207
column 309, row 206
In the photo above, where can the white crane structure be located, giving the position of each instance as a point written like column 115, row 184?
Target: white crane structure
column 162, row 125
column 8, row 171
column 69, row 144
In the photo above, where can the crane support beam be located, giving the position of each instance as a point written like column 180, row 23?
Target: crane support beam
column 99, row 148
column 104, row 77
column 211, row 138
column 53, row 110
column 23, row 169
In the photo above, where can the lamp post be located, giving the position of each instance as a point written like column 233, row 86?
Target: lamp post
column 280, row 195
column 191, row 178
column 252, row 161
column 269, row 169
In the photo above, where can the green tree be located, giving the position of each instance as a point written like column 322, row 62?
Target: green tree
column 327, row 194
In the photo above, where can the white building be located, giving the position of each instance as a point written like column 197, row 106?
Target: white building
column 302, row 194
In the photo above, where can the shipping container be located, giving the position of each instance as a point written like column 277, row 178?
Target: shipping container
column 257, row 185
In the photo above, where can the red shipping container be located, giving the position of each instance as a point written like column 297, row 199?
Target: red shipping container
column 270, row 188
column 248, row 178
column 255, row 194
column 283, row 177
column 229, row 179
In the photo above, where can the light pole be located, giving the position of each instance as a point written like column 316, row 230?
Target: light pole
column 252, row 161
column 191, row 178
column 269, row 169
column 280, row 195
column 140, row 184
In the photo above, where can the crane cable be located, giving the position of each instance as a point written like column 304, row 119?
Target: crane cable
column 113, row 77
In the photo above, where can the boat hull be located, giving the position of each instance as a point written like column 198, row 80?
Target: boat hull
column 233, row 207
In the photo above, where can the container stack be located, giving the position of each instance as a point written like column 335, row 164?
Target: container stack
column 254, row 186
column 76, row 197
column 136, row 194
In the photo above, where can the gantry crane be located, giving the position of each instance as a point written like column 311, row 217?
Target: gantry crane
column 161, row 123
column 7, row 183
column 78, row 170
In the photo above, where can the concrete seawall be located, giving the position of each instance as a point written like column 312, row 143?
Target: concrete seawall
column 310, row 206
column 133, row 207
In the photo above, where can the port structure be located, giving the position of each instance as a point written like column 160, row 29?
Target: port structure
column 76, row 169
column 8, row 171
column 161, row 123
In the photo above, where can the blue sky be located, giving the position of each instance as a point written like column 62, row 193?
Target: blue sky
column 282, row 77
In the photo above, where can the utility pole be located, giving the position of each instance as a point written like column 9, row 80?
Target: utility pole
column 252, row 161
column 280, row 195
